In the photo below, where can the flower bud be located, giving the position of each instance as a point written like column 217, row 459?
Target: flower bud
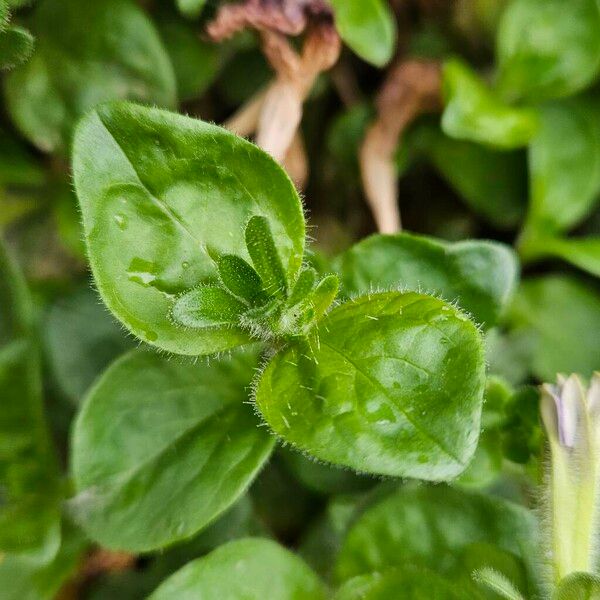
column 571, row 417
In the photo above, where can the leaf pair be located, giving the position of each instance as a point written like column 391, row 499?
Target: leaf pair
column 196, row 242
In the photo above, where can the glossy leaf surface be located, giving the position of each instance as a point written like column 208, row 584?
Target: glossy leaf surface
column 157, row 192
column 389, row 384
column 480, row 276
column 162, row 448
column 253, row 569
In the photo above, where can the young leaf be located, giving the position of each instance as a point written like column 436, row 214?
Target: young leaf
column 157, row 190
column 433, row 526
column 563, row 317
column 16, row 46
column 389, row 384
column 207, row 306
column 368, row 27
column 548, row 48
column 81, row 61
column 303, row 287
column 564, row 162
column 497, row 583
column 29, row 486
column 407, row 582
column 479, row 275
column 263, row 252
column 474, row 113
column 249, row 568
column 578, row 586
column 155, row 440
column 324, row 295
column 240, row 278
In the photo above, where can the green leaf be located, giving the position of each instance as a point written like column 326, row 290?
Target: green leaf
column 474, row 113
column 408, row 582
column 368, row 27
column 29, row 486
column 207, row 306
column 581, row 252
column 80, row 340
column 564, row 162
column 433, row 527
column 22, row 578
column 251, row 568
column 479, row 275
column 497, row 582
column 493, row 183
column 157, row 191
column 191, row 8
column 86, row 53
column 196, row 62
column 240, row 279
column 389, row 384
column 265, row 258
column 16, row 46
column 548, row 48
column 563, row 316
column 578, row 586
column 160, row 449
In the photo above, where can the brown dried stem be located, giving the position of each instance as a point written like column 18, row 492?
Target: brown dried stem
column 274, row 114
column 413, row 87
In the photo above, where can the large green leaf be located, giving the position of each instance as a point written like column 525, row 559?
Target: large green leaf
column 81, row 339
column 563, row 316
column 407, row 582
column 162, row 448
column 578, row 586
column 564, row 162
column 548, row 48
column 474, row 113
column 253, row 569
column 478, row 275
column 29, row 487
column 368, row 27
column 158, row 192
column 86, row 53
column 438, row 528
column 390, row 384
column 492, row 182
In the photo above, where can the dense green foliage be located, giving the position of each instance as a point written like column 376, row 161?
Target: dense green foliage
column 218, row 380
